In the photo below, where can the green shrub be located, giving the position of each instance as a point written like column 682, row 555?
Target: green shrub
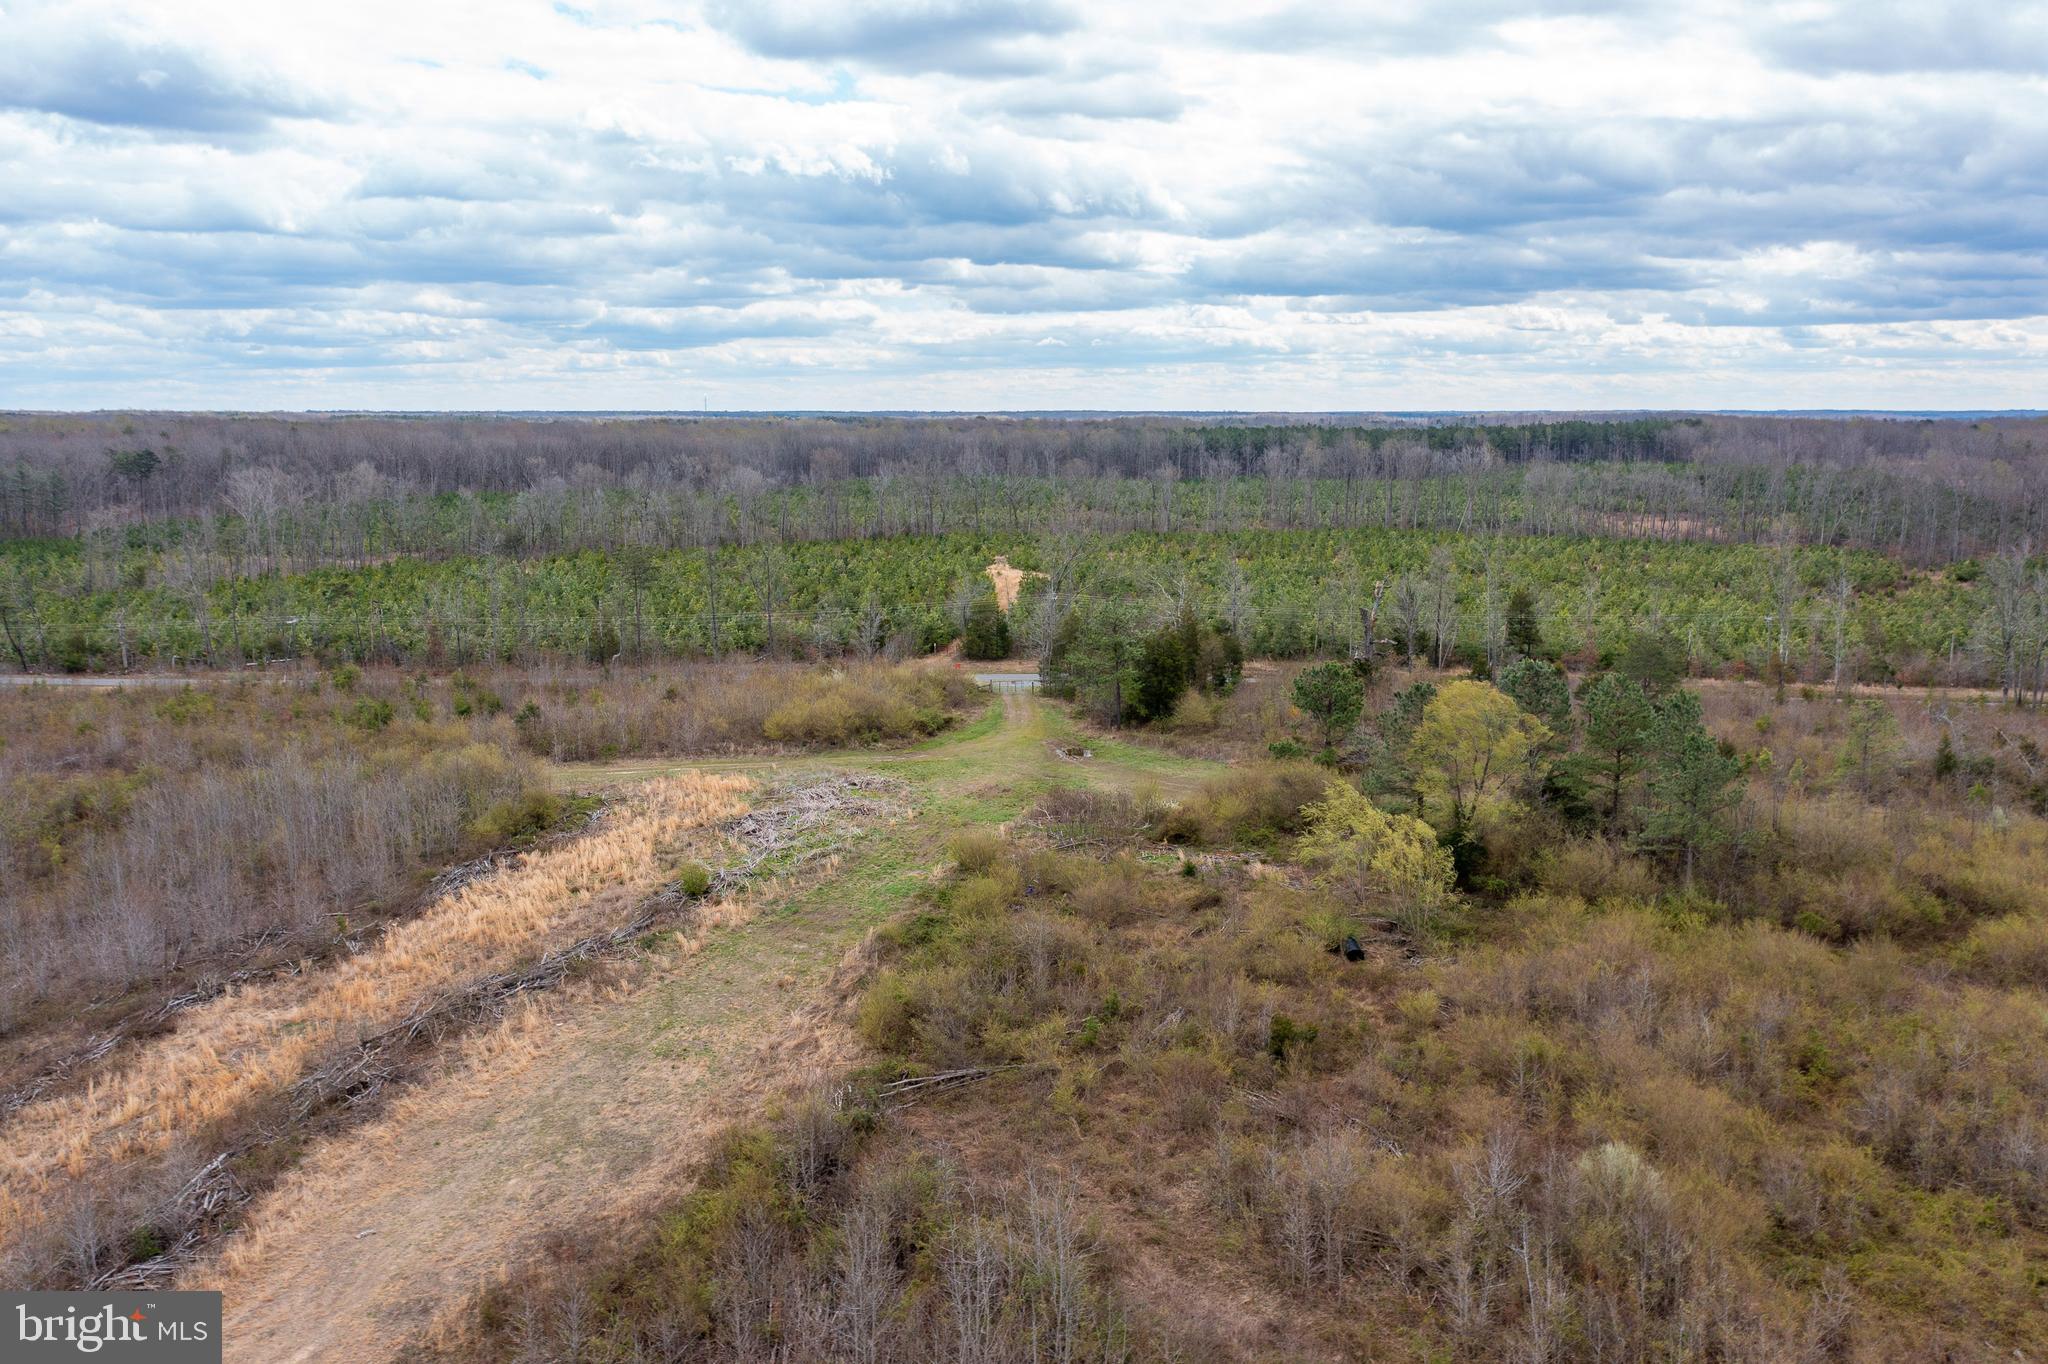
column 146, row 1243
column 693, row 879
column 2012, row 950
column 1258, row 805
column 888, row 1014
column 368, row 713
column 523, row 817
column 1595, row 870
column 1286, row 1034
column 187, row 706
column 1195, row 713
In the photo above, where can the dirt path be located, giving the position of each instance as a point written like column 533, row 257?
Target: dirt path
column 594, row 1105
column 1010, row 746
column 590, row 1110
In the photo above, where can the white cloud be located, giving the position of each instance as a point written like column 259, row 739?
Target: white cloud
column 980, row 203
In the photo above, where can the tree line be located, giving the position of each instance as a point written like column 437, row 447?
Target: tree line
column 294, row 492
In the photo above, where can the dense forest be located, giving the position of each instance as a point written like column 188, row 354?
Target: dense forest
column 1849, row 550
column 331, row 487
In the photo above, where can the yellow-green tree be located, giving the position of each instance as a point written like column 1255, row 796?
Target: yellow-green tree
column 1366, row 853
column 1473, row 741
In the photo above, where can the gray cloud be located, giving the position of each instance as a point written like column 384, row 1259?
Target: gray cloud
column 114, row 79
column 1444, row 26
column 1013, row 189
column 1914, row 35
column 964, row 37
column 1345, row 274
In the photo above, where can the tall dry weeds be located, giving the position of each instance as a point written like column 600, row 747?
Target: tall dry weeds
column 253, row 1042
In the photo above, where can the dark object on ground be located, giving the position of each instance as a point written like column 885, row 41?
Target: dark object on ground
column 1352, row 951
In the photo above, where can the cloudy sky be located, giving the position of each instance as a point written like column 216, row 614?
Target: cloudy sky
column 1024, row 204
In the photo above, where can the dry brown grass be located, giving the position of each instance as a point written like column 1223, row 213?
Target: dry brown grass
column 254, row 1042
column 576, row 1111
column 311, row 1193
column 575, row 715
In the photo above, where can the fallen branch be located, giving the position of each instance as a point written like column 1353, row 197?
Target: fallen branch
column 359, row 1074
column 796, row 817
column 922, row 1086
column 205, row 1196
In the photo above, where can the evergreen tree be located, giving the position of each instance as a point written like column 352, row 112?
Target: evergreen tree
column 1332, row 695
column 137, row 466
column 1541, row 689
column 1094, row 659
column 1946, row 764
column 1871, row 744
column 1221, row 660
column 1655, row 662
column 1693, row 787
column 1383, row 750
column 987, row 634
column 1619, row 721
column 1164, row 670
column 1524, row 635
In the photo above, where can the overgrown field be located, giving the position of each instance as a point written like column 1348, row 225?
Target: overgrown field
column 226, row 938
column 154, row 837
column 1581, row 1095
column 1534, row 1017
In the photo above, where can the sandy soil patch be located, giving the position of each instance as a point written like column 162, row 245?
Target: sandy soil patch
column 1009, row 581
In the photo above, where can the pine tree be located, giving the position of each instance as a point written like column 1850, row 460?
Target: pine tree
column 987, row 635
column 1384, row 745
column 1163, row 672
column 1655, row 661
column 1541, row 689
column 1619, row 719
column 1524, row 635
column 1693, row 787
column 1332, row 695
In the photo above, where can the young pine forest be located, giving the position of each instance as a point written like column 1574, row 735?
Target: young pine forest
column 1520, row 888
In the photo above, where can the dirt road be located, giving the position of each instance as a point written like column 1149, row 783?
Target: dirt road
column 585, row 1110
